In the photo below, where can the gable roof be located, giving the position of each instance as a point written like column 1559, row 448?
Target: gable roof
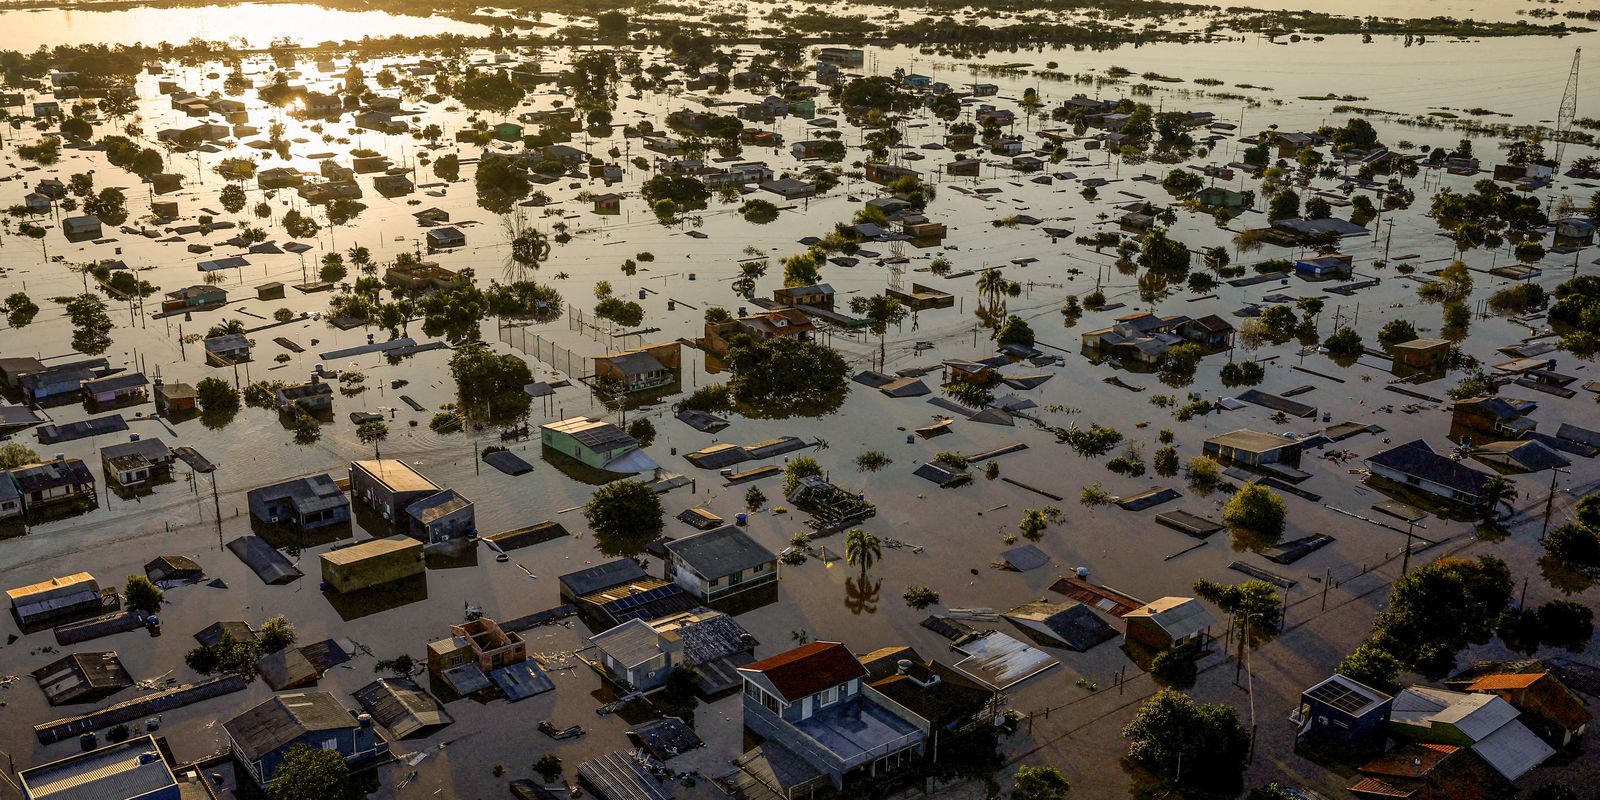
column 1418, row 460
column 284, row 718
column 1177, row 616
column 808, row 669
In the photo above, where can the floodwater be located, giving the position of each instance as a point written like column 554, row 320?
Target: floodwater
column 960, row 531
column 246, row 24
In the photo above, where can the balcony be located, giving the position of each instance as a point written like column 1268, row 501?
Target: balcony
column 859, row 731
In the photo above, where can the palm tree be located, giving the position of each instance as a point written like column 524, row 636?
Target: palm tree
column 361, row 258
column 992, row 285
column 883, row 310
column 1496, row 492
column 862, row 549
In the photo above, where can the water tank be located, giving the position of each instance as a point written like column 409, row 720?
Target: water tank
column 1082, row 572
column 133, row 437
column 740, row 518
column 642, row 294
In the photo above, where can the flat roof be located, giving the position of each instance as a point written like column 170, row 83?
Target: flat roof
column 395, row 474
column 52, row 584
column 372, row 548
column 133, row 768
column 1252, row 441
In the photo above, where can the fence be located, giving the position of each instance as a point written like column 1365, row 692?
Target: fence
column 557, row 357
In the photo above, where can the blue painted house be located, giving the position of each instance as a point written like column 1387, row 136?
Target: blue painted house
column 261, row 737
column 1350, row 714
column 1325, row 266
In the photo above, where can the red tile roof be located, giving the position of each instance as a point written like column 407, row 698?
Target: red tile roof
column 1410, row 760
column 809, row 669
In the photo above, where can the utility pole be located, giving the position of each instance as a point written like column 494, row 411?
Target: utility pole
column 1549, row 502
column 1405, row 564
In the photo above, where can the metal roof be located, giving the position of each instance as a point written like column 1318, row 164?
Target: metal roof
column 434, row 506
column 1180, row 617
column 401, row 706
column 592, row 433
column 134, row 768
column 395, row 475
column 721, row 551
column 284, row 718
column 630, row 644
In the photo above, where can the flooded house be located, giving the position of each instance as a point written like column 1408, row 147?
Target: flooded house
column 374, row 562
column 442, row 517
column 638, row 655
column 135, row 464
column 1485, row 723
column 388, row 486
column 194, row 297
column 761, row 326
column 62, row 381
column 1329, row 266
column 59, row 481
column 480, row 645
column 260, row 738
column 1549, row 707
column 608, row 203
column 82, row 678
column 1426, row 355
column 116, row 389
column 640, row 369
column 1168, row 623
column 819, row 725
column 1350, row 714
column 80, row 228
column 1143, row 337
column 594, row 442
column 312, row 397
column 10, row 499
column 816, row 294
column 1253, row 448
column 135, row 769
column 1492, row 416
column 57, row 598
column 1415, row 465
column 423, row 276
column 304, row 504
column 445, row 238
column 718, row 563
column 227, row 349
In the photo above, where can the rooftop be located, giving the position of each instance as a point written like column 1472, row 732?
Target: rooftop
column 395, row 475
column 857, row 727
column 129, row 769
column 808, row 669
column 592, row 433
column 372, row 548
column 721, row 551
column 280, row 720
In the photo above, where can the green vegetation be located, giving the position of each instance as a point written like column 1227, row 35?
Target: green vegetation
column 1256, row 510
column 625, row 516
column 490, row 382
column 784, row 372
column 141, row 595
column 1207, row 740
column 920, row 597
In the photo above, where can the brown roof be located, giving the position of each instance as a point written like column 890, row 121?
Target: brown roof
column 809, row 669
column 1506, row 681
column 1414, row 760
column 1380, row 788
column 1539, row 693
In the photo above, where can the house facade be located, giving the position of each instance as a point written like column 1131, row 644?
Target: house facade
column 261, row 737
column 811, row 703
column 304, row 503
column 718, row 563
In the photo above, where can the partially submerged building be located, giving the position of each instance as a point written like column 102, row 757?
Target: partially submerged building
column 261, row 737
column 374, row 562
column 305, row 503
column 719, row 563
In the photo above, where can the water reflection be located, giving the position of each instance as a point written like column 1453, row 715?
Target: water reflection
column 861, row 595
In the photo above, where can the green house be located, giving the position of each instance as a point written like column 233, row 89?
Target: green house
column 594, row 442
column 508, row 132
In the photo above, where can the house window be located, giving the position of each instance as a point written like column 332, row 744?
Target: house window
column 769, row 702
column 330, row 743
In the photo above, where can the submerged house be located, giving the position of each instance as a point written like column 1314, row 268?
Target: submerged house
column 1143, row 337
column 595, row 443
column 1483, row 722
column 304, row 503
column 821, row 726
column 1253, row 448
column 1423, row 354
column 54, row 599
column 1492, row 416
column 640, row 369
column 62, row 480
column 718, row 563
column 1350, row 714
column 115, row 388
column 261, row 737
column 1415, row 465
column 1168, row 623
column 311, row 397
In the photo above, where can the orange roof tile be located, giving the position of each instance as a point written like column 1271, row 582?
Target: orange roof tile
column 1506, row 680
